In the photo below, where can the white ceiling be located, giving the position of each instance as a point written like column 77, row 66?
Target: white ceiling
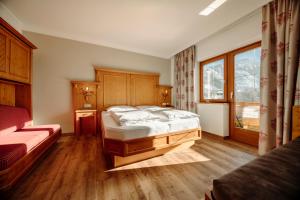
column 154, row 27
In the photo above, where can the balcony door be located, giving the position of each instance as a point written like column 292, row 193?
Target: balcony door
column 244, row 93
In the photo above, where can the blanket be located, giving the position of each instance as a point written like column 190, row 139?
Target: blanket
column 132, row 117
column 178, row 114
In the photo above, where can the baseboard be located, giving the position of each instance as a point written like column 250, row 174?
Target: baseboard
column 211, row 135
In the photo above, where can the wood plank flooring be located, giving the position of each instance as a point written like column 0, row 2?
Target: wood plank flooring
column 76, row 169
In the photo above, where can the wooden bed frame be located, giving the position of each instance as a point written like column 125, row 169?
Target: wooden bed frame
column 119, row 87
column 130, row 151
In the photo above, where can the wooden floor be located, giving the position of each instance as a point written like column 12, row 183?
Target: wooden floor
column 76, row 169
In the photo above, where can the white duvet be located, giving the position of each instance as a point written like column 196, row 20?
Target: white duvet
column 139, row 129
column 150, row 116
column 178, row 114
column 133, row 117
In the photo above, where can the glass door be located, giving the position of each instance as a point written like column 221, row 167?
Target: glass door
column 244, row 94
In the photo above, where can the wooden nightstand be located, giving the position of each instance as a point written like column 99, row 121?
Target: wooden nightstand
column 85, row 122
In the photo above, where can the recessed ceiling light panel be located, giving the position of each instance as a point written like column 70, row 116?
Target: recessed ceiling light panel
column 212, row 7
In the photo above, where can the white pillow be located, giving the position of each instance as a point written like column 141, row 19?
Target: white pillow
column 148, row 107
column 151, row 108
column 121, row 108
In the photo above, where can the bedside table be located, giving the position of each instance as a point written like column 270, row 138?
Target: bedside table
column 85, row 122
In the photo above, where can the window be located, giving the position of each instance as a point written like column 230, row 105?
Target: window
column 238, row 69
column 247, row 75
column 213, row 75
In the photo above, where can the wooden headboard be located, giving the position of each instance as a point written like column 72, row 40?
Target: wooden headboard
column 118, row 87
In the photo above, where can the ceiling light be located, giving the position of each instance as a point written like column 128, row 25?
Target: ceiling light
column 211, row 7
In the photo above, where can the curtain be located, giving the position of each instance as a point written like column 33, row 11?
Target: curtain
column 279, row 68
column 184, row 79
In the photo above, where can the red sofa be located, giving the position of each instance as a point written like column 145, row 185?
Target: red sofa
column 21, row 143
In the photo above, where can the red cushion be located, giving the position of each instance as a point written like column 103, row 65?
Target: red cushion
column 11, row 153
column 29, row 139
column 51, row 128
column 12, row 119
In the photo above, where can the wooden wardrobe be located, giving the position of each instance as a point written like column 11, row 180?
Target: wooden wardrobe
column 15, row 67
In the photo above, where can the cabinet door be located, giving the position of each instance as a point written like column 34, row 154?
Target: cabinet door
column 19, row 61
column 3, row 52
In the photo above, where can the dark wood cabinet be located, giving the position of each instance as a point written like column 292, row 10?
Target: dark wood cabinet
column 85, row 122
column 3, row 52
column 15, row 67
column 19, row 61
column 15, row 54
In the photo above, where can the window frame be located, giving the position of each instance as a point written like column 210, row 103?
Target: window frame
column 228, row 73
column 201, row 65
column 231, row 63
column 242, row 135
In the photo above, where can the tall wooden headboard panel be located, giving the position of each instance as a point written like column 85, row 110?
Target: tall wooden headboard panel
column 114, row 88
column 143, row 90
column 119, row 87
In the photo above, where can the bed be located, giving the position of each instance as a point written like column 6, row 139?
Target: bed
column 275, row 175
column 127, row 143
column 138, row 89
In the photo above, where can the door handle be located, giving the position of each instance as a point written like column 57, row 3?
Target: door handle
column 231, row 95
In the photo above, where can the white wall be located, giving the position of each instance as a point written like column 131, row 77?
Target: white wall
column 243, row 32
column 57, row 61
column 10, row 18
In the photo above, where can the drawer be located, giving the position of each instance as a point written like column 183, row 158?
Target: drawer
column 158, row 142
column 85, row 122
column 85, row 114
column 87, row 125
column 147, row 144
column 182, row 137
column 139, row 146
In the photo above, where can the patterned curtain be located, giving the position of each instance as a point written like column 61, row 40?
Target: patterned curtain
column 279, row 68
column 184, row 79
